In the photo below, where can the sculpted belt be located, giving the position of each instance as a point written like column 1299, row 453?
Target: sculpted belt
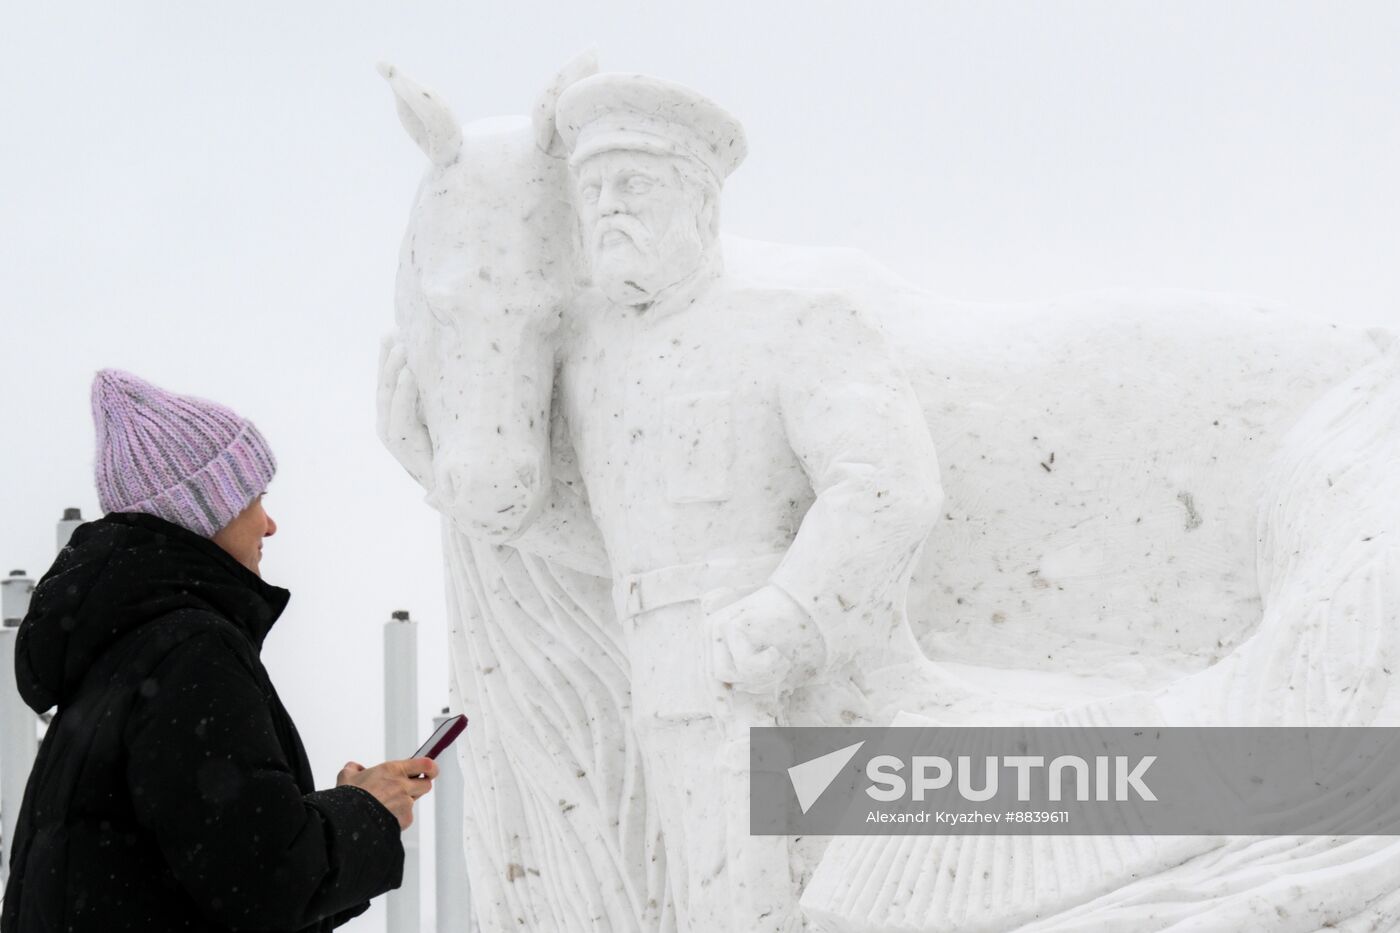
column 713, row 583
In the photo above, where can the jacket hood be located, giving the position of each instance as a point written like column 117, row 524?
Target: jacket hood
column 117, row 574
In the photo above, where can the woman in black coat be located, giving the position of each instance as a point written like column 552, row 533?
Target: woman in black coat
column 172, row 791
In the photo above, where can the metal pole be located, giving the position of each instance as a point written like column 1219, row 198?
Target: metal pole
column 400, row 740
column 454, row 899
column 14, row 597
column 71, row 519
column 19, row 739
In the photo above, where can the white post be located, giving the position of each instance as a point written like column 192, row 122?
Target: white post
column 19, row 738
column 454, row 900
column 400, row 741
column 71, row 519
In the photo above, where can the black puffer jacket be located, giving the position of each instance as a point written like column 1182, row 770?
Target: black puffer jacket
column 172, row 791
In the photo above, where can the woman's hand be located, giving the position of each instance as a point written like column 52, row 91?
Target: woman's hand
column 394, row 783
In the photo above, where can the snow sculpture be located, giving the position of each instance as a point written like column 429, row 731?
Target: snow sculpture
column 687, row 480
column 1323, row 654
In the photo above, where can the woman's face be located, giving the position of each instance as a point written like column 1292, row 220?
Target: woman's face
column 242, row 537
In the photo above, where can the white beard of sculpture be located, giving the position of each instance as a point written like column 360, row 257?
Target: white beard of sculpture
column 631, row 266
column 645, row 227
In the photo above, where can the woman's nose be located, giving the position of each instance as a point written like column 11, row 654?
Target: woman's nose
column 271, row 528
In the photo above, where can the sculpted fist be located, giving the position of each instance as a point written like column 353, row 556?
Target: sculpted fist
column 400, row 427
column 765, row 643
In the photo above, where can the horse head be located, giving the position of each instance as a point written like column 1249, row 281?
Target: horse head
column 487, row 266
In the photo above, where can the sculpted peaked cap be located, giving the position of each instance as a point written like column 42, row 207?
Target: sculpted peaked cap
column 630, row 111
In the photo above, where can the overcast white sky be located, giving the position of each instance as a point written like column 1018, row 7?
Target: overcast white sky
column 211, row 195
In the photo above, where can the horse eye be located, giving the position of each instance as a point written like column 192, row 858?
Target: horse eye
column 591, row 192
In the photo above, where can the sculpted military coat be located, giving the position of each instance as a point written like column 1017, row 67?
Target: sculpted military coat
column 747, row 423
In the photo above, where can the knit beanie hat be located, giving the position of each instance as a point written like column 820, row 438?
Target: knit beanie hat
column 189, row 461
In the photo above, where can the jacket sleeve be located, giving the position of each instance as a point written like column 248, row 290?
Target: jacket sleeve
column 209, row 779
column 854, row 422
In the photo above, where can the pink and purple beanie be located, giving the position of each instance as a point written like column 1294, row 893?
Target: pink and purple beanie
column 183, row 459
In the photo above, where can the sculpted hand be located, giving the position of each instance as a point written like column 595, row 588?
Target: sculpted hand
column 765, row 643
column 394, row 783
column 400, row 427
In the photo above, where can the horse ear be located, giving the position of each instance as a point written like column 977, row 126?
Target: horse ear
column 575, row 69
column 426, row 117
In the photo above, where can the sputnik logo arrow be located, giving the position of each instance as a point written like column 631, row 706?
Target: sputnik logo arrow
column 811, row 778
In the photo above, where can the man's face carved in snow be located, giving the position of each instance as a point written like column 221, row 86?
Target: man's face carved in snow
column 646, row 221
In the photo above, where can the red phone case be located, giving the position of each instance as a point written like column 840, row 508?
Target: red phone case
column 439, row 741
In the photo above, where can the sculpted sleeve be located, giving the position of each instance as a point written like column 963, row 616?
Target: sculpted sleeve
column 211, row 782
column 853, row 420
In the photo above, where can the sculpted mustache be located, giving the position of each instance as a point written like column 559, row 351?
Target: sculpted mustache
column 638, row 233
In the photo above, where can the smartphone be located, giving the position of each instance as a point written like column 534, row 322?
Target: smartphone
column 443, row 736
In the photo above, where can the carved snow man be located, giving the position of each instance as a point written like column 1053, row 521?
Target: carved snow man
column 759, row 469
